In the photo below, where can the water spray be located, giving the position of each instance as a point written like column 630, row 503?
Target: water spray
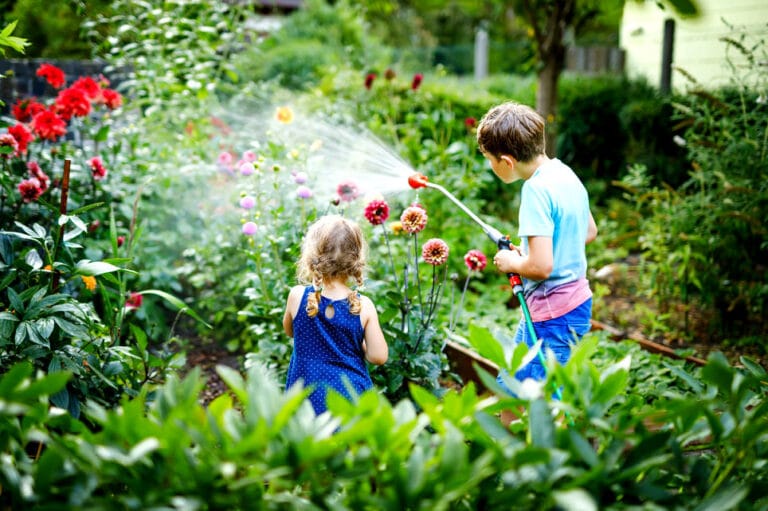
column 417, row 181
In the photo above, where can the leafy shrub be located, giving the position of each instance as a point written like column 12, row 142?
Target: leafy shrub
column 606, row 122
column 259, row 446
column 704, row 242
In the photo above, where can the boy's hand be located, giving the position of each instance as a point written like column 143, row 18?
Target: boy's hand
column 508, row 261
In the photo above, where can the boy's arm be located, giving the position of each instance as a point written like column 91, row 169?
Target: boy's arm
column 591, row 230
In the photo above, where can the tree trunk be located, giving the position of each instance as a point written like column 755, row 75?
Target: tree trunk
column 546, row 101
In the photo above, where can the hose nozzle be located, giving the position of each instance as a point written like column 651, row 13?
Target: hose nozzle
column 417, row 180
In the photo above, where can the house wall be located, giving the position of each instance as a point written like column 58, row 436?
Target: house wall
column 697, row 46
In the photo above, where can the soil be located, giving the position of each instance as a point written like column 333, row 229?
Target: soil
column 206, row 356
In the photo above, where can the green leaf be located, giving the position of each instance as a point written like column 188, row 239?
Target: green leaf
column 574, row 500
column 86, row 267
column 86, row 208
column 726, row 498
column 542, row 427
column 753, row 367
column 486, row 344
column 14, row 377
column 33, row 259
column 6, row 39
column 45, row 386
column 234, row 381
column 141, row 339
column 176, row 302
column 583, row 448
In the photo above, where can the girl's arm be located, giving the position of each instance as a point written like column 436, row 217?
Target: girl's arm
column 374, row 343
column 291, row 307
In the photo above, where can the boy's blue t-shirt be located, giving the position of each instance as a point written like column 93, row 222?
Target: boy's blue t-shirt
column 554, row 203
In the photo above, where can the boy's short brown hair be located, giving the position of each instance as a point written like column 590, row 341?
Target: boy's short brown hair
column 513, row 129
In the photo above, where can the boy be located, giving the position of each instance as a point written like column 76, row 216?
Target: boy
column 555, row 224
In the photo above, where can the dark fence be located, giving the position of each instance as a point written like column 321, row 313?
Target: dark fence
column 20, row 81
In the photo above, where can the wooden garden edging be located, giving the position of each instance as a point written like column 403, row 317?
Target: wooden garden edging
column 462, row 360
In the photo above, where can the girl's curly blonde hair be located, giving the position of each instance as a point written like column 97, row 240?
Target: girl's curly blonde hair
column 333, row 249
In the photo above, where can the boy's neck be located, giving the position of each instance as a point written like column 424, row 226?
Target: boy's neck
column 526, row 169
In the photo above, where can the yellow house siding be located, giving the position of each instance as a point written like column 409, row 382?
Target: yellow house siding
column 697, row 46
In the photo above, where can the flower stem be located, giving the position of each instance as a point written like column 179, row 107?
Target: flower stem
column 418, row 280
column 389, row 252
column 454, row 320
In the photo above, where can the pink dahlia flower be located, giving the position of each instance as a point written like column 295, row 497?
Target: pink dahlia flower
column 348, row 191
column 247, row 202
column 414, row 219
column 250, row 228
column 304, row 192
column 246, row 168
column 435, row 252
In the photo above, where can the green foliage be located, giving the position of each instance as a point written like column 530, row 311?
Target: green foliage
column 309, row 42
column 704, row 242
column 612, row 121
column 53, row 30
column 9, row 41
column 172, row 57
column 260, row 447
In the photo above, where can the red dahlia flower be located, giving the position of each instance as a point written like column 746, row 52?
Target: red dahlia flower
column 52, row 74
column 22, row 135
column 25, row 109
column 30, row 189
column 475, row 260
column 98, row 171
column 134, row 301
column 35, row 171
column 417, row 79
column 435, row 252
column 72, row 102
column 111, row 98
column 89, row 87
column 369, row 78
column 48, row 125
column 414, row 219
column 377, row 211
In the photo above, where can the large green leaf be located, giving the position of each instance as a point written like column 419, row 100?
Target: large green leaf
column 486, row 344
column 86, row 267
column 542, row 427
column 183, row 307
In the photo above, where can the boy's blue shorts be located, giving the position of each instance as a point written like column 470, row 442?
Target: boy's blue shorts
column 557, row 335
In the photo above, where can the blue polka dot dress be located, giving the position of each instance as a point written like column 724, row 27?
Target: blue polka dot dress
column 327, row 348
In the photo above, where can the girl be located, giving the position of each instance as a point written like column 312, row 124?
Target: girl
column 334, row 329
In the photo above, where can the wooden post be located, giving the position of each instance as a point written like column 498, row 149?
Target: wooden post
column 63, row 211
column 667, row 53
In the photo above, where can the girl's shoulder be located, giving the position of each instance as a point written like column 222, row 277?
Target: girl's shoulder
column 366, row 302
column 296, row 293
